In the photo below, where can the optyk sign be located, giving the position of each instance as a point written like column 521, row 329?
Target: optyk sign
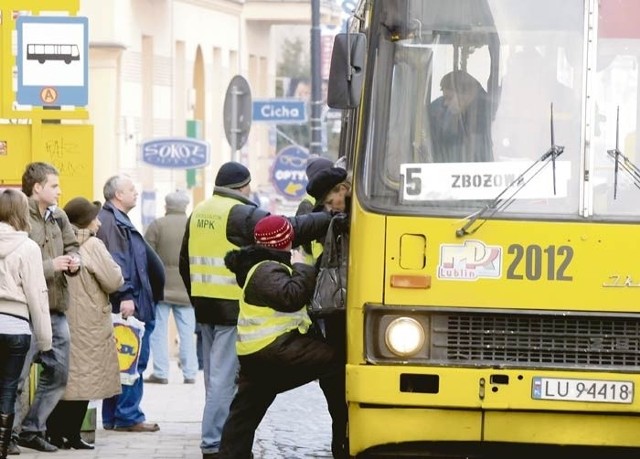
column 288, row 173
column 176, row 153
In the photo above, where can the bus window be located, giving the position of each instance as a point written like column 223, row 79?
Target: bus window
column 617, row 81
column 453, row 96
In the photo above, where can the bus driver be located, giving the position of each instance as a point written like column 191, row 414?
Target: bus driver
column 461, row 120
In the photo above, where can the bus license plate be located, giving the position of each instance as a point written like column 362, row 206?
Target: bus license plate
column 582, row 390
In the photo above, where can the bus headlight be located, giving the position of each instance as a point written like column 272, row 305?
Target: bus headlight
column 404, row 336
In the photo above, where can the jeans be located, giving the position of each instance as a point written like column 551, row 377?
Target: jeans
column 124, row 410
column 185, row 318
column 13, row 352
column 220, row 371
column 53, row 377
column 199, row 347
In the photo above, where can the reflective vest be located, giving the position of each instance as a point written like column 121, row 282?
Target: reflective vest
column 208, row 245
column 316, row 247
column 259, row 326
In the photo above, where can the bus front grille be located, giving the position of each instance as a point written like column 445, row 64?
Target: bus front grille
column 536, row 339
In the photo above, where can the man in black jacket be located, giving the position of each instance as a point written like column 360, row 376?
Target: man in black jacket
column 276, row 352
column 222, row 223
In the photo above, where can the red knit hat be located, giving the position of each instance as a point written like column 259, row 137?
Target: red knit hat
column 273, row 231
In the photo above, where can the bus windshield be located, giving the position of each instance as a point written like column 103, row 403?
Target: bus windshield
column 466, row 96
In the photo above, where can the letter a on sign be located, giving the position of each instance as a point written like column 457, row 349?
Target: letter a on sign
column 48, row 95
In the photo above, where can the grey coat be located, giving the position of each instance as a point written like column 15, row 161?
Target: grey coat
column 164, row 235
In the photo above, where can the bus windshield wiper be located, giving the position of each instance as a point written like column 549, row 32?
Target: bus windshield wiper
column 507, row 196
column 621, row 161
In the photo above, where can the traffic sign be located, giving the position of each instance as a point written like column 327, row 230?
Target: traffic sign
column 176, row 152
column 237, row 112
column 288, row 173
column 280, row 110
column 52, row 60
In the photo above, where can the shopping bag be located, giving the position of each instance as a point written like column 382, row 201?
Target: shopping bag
column 128, row 333
column 330, row 292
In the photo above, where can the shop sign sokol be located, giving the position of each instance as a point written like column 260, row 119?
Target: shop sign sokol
column 176, row 153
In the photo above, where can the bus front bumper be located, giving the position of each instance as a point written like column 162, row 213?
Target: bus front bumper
column 480, row 405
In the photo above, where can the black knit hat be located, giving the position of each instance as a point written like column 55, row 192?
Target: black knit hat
column 81, row 211
column 233, row 175
column 323, row 176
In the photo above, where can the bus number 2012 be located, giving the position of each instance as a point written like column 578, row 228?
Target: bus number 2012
column 528, row 262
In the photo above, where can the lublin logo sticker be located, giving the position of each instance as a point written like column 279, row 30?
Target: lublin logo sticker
column 470, row 261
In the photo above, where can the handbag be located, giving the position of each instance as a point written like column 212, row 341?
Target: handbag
column 329, row 296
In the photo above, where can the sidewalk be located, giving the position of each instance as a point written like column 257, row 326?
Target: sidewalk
column 297, row 426
column 176, row 407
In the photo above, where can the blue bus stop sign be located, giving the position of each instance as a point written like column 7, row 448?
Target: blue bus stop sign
column 288, row 173
column 52, row 60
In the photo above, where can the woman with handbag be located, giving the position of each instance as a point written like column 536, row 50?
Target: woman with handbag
column 94, row 372
column 330, row 186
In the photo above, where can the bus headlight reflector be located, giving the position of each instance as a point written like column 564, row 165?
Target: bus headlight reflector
column 404, row 336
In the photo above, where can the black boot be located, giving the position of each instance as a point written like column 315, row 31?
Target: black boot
column 6, row 424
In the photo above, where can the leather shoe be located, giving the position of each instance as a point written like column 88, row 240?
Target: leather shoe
column 79, row 443
column 35, row 441
column 153, row 379
column 189, row 381
column 58, row 442
column 140, row 427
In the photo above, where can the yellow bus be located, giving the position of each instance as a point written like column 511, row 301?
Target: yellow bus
column 494, row 271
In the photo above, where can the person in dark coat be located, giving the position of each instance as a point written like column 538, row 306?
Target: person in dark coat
column 330, row 187
column 143, row 274
column 461, row 121
column 276, row 353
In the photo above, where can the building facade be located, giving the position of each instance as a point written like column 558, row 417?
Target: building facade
column 157, row 66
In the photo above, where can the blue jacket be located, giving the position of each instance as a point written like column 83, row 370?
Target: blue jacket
column 141, row 267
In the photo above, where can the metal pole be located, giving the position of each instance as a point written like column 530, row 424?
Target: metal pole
column 235, row 131
column 315, row 121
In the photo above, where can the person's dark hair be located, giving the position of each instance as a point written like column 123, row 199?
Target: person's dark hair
column 461, row 81
column 14, row 209
column 36, row 173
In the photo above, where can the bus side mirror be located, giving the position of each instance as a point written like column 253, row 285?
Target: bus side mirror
column 347, row 70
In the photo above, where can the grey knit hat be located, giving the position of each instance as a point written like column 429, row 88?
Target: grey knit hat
column 177, row 200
